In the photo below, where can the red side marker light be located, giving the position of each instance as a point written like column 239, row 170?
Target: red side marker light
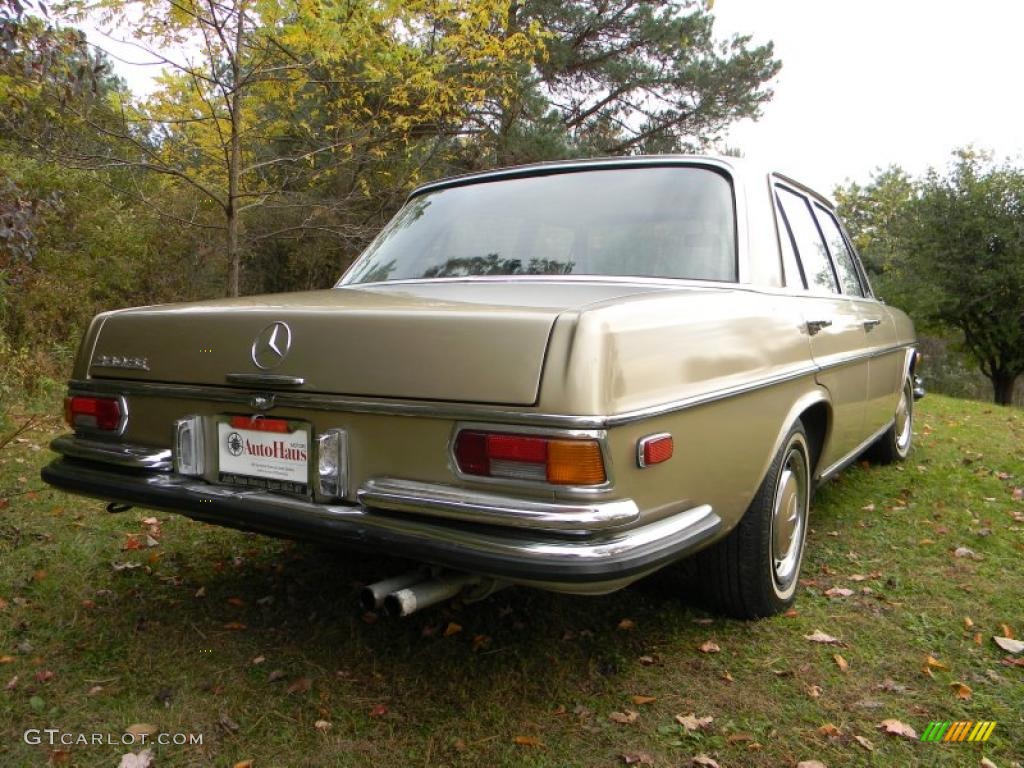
column 654, row 449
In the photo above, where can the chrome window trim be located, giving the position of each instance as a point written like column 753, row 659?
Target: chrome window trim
column 490, row 414
column 433, row 499
column 599, row 435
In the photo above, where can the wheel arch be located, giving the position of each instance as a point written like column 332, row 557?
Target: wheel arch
column 814, row 410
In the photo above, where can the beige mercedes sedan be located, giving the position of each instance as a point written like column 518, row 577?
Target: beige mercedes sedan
column 566, row 376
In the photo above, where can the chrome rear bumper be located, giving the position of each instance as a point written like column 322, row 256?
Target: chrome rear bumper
column 398, row 518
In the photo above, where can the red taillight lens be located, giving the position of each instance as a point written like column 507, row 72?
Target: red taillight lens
column 103, row 413
column 525, row 457
column 259, row 424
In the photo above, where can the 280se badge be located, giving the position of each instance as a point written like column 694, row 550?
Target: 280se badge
column 566, row 376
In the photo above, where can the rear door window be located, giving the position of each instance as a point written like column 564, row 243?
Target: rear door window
column 845, row 265
column 810, row 246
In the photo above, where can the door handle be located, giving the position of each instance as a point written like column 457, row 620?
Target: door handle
column 870, row 325
column 813, row 326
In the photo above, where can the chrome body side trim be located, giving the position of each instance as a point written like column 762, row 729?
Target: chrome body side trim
column 570, row 564
column 849, row 458
column 468, row 411
column 496, row 509
column 118, row 454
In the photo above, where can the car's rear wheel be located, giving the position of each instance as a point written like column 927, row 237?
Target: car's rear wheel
column 894, row 445
column 753, row 572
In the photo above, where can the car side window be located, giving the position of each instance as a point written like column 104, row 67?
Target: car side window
column 841, row 256
column 792, row 276
column 811, row 249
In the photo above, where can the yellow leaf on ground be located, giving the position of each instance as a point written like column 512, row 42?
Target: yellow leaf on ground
column 1007, row 632
column 962, row 691
column 817, row 636
column 829, row 730
column 641, row 700
column 452, row 629
column 627, row 624
column 693, row 723
column 624, row 718
column 931, row 661
column 709, row 646
column 841, row 663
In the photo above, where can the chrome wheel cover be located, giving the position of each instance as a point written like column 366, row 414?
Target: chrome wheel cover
column 903, row 426
column 789, row 518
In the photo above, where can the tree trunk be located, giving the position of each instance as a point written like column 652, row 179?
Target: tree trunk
column 1003, row 384
column 235, row 158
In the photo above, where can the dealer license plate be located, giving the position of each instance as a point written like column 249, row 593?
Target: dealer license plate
column 272, row 460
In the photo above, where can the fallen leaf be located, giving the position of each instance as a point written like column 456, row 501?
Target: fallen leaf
column 228, row 724
column 693, row 723
column 641, row 700
column 811, row 764
column 527, row 741
column 637, row 758
column 90, row 604
column 838, row 592
column 6, row 659
column 931, row 661
column 703, row 621
column 125, row 566
column 236, row 626
column 275, row 676
column 1008, row 644
column 243, row 764
column 962, row 691
column 1018, row 494
column 452, row 629
column 858, row 577
column 44, row 676
column 896, row 728
column 201, row 592
column 258, row 660
column 150, row 521
column 647, row 661
column 302, row 685
column 703, row 761
column 727, row 677
column 977, row 638
column 11, row 684
column 864, row 743
column 964, row 552
column 968, row 623
column 322, row 725
column 94, row 691
column 814, row 691
column 891, row 685
column 626, row 625
column 624, row 718
column 143, row 759
column 817, row 636
column 709, row 646
column 736, row 738
column 1007, row 632
column 379, row 710
column 236, row 601
column 868, row 508
column 132, row 542
column 59, row 757
column 841, row 663
column 792, row 613
column 829, row 730
column 481, row 642
column 986, row 763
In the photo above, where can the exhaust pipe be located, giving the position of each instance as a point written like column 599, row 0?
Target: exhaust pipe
column 409, row 599
column 371, row 597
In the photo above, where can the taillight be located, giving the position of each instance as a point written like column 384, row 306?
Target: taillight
column 527, row 457
column 107, row 414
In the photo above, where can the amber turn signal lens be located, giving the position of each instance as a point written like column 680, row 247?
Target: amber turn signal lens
column 575, row 462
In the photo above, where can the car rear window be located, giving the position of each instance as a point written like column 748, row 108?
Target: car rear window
column 675, row 222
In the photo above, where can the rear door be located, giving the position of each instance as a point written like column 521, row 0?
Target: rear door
column 833, row 322
column 885, row 361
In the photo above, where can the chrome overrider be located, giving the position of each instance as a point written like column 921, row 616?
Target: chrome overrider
column 585, row 546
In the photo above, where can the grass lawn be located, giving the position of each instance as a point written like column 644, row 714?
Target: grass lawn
column 258, row 644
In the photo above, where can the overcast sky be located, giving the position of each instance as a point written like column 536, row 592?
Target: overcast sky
column 869, row 83
column 865, row 83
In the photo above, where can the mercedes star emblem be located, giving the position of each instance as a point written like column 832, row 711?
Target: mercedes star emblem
column 235, row 444
column 271, row 346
